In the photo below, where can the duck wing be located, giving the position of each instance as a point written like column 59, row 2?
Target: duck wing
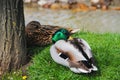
column 84, row 47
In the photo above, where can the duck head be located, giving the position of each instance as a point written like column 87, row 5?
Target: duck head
column 61, row 34
column 32, row 26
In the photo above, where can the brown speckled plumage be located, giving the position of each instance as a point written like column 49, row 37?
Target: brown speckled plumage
column 40, row 35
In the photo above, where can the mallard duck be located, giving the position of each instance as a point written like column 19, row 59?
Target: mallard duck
column 75, row 53
column 40, row 35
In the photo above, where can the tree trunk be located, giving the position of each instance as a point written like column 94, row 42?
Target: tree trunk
column 12, row 35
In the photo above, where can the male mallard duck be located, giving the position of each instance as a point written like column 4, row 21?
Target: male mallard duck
column 40, row 35
column 74, row 53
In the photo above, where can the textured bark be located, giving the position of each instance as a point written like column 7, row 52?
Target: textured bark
column 12, row 35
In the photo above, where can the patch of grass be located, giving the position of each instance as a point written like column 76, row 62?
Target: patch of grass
column 14, row 75
column 106, row 50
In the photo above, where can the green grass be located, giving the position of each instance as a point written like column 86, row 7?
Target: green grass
column 106, row 50
column 14, row 75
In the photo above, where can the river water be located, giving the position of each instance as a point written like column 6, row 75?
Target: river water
column 93, row 21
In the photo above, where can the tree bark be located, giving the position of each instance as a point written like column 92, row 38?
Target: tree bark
column 12, row 35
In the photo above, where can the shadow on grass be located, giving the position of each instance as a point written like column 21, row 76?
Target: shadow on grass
column 92, row 74
column 31, row 51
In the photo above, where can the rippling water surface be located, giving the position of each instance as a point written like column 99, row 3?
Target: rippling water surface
column 93, row 21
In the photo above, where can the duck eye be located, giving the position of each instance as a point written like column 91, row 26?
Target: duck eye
column 66, row 33
column 36, row 26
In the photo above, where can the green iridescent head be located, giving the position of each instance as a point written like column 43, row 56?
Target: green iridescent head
column 61, row 34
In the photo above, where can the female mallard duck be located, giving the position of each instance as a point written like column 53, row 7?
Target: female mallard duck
column 74, row 53
column 40, row 35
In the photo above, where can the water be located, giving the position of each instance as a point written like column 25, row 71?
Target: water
column 93, row 21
